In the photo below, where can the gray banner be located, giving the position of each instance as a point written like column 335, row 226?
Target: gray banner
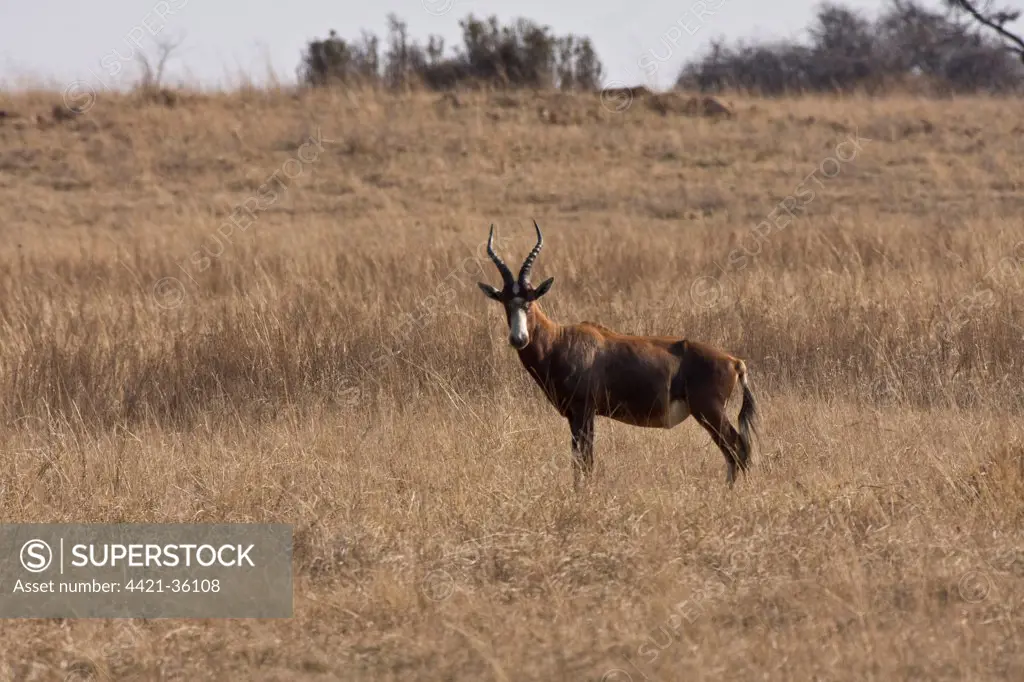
column 145, row 571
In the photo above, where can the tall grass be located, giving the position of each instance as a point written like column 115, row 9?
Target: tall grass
column 333, row 365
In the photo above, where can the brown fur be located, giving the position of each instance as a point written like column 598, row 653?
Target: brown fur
column 587, row 370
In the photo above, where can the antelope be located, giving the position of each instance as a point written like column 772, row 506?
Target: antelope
column 587, row 370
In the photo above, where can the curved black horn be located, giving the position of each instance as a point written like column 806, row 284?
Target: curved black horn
column 524, row 273
column 506, row 274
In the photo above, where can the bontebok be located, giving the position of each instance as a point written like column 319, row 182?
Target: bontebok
column 587, row 370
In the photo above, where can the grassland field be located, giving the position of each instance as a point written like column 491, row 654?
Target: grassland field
column 261, row 306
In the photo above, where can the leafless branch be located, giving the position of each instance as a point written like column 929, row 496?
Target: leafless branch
column 152, row 77
column 995, row 20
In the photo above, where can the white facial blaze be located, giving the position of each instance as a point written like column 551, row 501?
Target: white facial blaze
column 517, row 324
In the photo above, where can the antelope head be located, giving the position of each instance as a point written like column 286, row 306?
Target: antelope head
column 516, row 294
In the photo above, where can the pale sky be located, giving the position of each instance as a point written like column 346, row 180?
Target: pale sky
column 642, row 41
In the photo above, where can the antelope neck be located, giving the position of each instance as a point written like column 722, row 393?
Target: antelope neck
column 543, row 333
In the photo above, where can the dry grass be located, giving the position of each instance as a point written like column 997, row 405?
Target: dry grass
column 878, row 536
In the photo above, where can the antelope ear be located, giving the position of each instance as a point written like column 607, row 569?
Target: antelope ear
column 543, row 288
column 489, row 291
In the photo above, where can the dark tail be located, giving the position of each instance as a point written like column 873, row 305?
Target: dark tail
column 747, row 419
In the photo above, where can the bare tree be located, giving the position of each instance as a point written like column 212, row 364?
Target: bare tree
column 961, row 46
column 995, row 19
column 153, row 70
